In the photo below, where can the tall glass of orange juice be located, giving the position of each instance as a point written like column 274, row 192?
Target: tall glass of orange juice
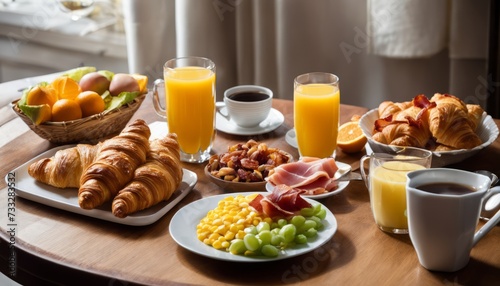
column 316, row 109
column 386, row 183
column 189, row 84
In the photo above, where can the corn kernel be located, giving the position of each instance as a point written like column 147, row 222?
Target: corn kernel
column 233, row 228
column 241, row 234
column 213, row 236
column 217, row 244
column 229, row 235
column 222, row 229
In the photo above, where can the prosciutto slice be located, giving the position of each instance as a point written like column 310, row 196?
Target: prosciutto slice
column 310, row 175
column 282, row 202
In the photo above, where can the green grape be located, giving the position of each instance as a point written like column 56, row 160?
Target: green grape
column 309, row 223
column 319, row 223
column 269, row 250
column 321, row 214
column 251, row 229
column 316, row 208
column 277, row 239
column 300, row 239
column 265, row 237
column 237, row 246
column 251, row 242
column 297, row 220
column 307, row 211
column 311, row 232
column 288, row 232
column 282, row 222
column 263, row 226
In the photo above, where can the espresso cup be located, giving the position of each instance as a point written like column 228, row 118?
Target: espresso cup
column 248, row 105
column 443, row 213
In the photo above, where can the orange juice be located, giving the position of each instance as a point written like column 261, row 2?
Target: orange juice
column 190, row 101
column 316, row 119
column 388, row 193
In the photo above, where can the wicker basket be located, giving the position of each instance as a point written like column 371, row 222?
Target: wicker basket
column 90, row 129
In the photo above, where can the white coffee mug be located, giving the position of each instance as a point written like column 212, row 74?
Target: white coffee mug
column 442, row 226
column 248, row 105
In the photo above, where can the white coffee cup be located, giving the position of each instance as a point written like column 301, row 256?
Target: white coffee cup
column 248, row 105
column 442, row 226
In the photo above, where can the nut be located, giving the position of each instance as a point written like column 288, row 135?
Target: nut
column 247, row 162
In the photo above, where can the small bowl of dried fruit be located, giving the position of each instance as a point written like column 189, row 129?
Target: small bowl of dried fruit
column 245, row 166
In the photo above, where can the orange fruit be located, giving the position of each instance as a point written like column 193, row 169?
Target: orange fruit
column 39, row 95
column 350, row 138
column 66, row 110
column 66, row 87
column 90, row 103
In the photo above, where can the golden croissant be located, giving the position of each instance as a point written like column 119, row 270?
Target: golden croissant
column 64, row 169
column 451, row 126
column 114, row 165
column 388, row 108
column 154, row 181
column 475, row 113
column 441, row 99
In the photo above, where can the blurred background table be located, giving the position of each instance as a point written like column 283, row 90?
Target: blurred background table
column 55, row 246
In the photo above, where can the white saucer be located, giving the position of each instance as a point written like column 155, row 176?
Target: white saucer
column 273, row 121
column 291, row 139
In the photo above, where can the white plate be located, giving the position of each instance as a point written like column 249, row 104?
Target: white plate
column 343, row 167
column 183, row 230
column 67, row 199
column 273, row 121
column 291, row 138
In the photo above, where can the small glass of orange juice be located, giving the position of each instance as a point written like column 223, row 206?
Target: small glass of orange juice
column 386, row 183
column 189, row 84
column 316, row 110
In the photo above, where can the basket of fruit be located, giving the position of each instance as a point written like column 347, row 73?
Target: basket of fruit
column 81, row 105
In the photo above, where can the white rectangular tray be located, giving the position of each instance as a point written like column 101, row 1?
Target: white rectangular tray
column 67, row 199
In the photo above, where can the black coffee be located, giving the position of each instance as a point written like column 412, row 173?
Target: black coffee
column 248, row 96
column 447, row 189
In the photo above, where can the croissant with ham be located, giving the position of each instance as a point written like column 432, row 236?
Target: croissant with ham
column 406, row 125
column 114, row 165
column 64, row 169
column 154, row 181
column 407, row 133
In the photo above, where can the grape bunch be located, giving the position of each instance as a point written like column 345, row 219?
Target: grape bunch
column 268, row 239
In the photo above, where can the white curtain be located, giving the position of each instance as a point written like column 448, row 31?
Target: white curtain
column 270, row 42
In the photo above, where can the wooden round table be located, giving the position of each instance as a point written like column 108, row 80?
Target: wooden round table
column 70, row 249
